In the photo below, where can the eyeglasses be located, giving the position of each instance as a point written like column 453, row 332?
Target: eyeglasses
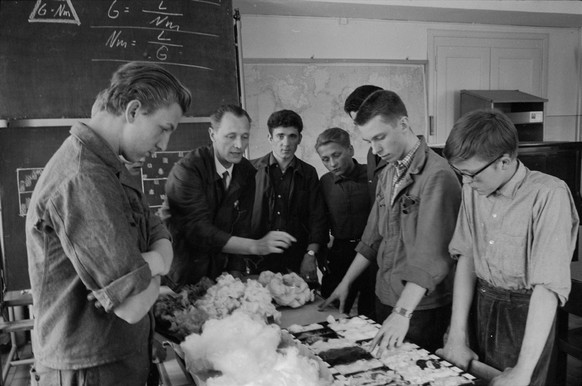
column 473, row 175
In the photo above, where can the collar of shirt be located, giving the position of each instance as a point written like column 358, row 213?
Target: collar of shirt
column 352, row 175
column 509, row 189
column 273, row 162
column 402, row 165
column 98, row 145
column 221, row 169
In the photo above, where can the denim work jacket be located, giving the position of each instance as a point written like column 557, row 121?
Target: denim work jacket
column 410, row 238
column 202, row 217
column 86, row 228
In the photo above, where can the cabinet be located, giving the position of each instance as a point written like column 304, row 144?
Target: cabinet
column 526, row 111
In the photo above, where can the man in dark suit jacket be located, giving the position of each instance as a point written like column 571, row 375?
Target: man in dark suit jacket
column 209, row 198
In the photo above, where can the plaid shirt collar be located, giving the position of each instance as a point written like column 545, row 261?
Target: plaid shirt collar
column 402, row 165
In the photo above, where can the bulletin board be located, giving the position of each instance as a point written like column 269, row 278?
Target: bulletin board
column 317, row 90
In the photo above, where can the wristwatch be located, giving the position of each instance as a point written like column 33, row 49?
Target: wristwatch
column 310, row 252
column 402, row 311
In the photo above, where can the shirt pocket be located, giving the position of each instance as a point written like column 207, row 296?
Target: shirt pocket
column 511, row 256
column 409, row 205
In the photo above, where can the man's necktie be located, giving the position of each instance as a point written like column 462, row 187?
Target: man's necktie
column 225, row 180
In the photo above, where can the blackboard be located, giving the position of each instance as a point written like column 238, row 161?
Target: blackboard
column 24, row 151
column 56, row 55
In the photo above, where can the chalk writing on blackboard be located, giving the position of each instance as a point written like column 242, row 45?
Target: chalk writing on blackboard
column 164, row 38
column 54, row 11
column 27, row 178
column 155, row 173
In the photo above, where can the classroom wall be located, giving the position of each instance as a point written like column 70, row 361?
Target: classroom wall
column 285, row 37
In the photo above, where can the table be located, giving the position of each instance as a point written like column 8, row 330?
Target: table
column 173, row 373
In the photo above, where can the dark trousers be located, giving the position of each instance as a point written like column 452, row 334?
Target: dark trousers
column 500, row 326
column 427, row 327
column 339, row 258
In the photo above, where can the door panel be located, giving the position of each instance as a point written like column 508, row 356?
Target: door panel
column 457, row 68
column 516, row 69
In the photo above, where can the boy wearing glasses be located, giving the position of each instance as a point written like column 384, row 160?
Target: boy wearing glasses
column 408, row 231
column 514, row 240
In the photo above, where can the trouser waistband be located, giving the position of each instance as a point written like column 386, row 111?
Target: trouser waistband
column 486, row 289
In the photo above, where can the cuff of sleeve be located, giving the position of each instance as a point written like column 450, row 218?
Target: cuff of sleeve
column 220, row 239
column 117, row 291
column 419, row 277
column 366, row 251
column 561, row 292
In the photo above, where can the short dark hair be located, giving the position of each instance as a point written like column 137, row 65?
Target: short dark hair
column 152, row 85
column 235, row 110
column 485, row 134
column 355, row 99
column 384, row 103
column 285, row 118
column 333, row 135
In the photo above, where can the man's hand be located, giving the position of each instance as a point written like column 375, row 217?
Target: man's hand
column 457, row 352
column 339, row 293
column 308, row 269
column 273, row 242
column 511, row 377
column 391, row 334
